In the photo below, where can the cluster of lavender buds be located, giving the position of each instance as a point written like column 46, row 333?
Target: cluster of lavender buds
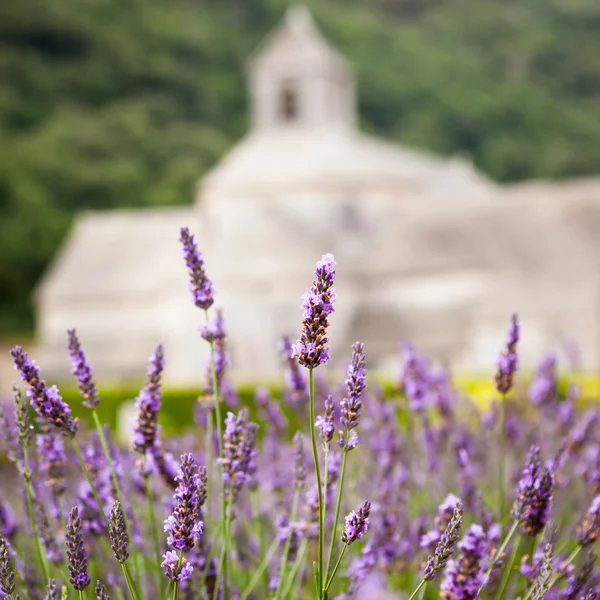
column 214, row 332
column 52, row 459
column 7, row 574
column 82, row 371
column 464, row 575
column 22, row 418
column 543, row 390
column 542, row 582
column 357, row 524
column 324, row 423
column 239, row 452
column 148, row 404
column 352, row 405
column 299, row 462
column 311, row 349
column 117, row 533
column 446, row 511
column 508, row 362
column 201, row 286
column 77, row 558
column 445, row 547
column 588, row 530
column 297, row 388
column 100, row 592
column 534, row 495
column 415, row 379
column 45, row 400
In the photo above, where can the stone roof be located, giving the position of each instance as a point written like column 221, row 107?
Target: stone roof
column 116, row 253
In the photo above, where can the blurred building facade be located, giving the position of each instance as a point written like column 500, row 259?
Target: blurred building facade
column 427, row 248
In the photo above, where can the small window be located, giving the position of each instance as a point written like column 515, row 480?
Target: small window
column 288, row 103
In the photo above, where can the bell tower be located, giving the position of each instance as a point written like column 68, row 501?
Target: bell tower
column 298, row 80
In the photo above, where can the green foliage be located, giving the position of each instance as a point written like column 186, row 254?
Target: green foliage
column 109, row 104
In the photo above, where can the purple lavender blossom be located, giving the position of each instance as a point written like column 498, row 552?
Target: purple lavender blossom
column 415, row 378
column 51, row 590
column 46, row 401
column 215, row 333
column 83, row 371
column 119, row 542
column 174, row 569
column 293, row 531
column 544, row 387
column 100, row 592
column 201, row 287
column 78, row 563
column 148, row 404
column 541, row 584
column 184, row 526
column 352, row 405
column 445, row 547
column 508, row 362
column 357, row 524
column 534, row 495
column 22, row 420
column 311, row 349
column 588, row 530
column 446, row 511
column 464, row 575
column 297, row 388
column 299, row 462
column 52, row 460
column 239, row 452
column 324, row 423
column 7, row 573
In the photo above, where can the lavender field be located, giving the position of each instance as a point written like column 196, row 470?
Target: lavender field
column 415, row 495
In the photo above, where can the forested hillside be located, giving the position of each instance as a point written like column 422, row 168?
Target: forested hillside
column 107, row 103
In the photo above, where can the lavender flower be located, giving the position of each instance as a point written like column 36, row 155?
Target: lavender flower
column 201, row 287
column 22, row 418
column 446, row 545
column 293, row 531
column 541, row 584
column 100, row 591
column 214, row 332
column 588, row 530
column 357, row 524
column 117, row 532
column 508, row 362
column 148, row 404
column 325, row 423
column 52, row 460
column 544, row 388
column 51, row 590
column 46, row 401
column 184, row 526
column 534, row 495
column 446, row 511
column 294, row 377
column 7, row 573
column 299, row 462
column 464, row 574
column 351, row 406
column 76, row 555
column 175, row 569
column 415, row 378
column 238, row 461
column 83, row 371
column 311, row 349
column 45, row 533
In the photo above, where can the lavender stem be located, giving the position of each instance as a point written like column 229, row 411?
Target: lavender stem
column 501, row 469
column 337, row 566
column 152, row 516
column 288, row 540
column 508, row 571
column 260, row 570
column 338, row 505
column 295, row 568
column 499, row 552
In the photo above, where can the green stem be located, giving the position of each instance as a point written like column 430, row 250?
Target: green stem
column 260, row 570
column 508, row 572
column 259, row 529
column 30, row 494
column 498, row 553
column 335, row 569
column 338, row 505
column 295, row 568
column 313, row 439
column 152, row 517
column 223, row 558
column 417, row 589
column 127, row 576
column 501, row 469
column 286, row 549
column 80, row 594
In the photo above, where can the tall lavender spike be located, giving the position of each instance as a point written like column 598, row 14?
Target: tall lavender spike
column 294, row 377
column 51, row 590
column 46, row 401
column 464, row 575
column 541, row 585
column 119, row 542
column 415, row 378
column 47, row 536
column 588, row 530
column 239, row 452
column 22, row 420
column 508, row 362
column 311, row 349
column 82, row 371
column 543, row 390
column 148, row 404
column 52, row 460
column 100, row 591
column 78, row 563
column 201, row 287
column 357, row 524
column 325, row 423
column 299, row 462
column 352, row 405
column 446, row 511
column 215, row 333
column 445, row 547
column 7, row 573
column 534, row 495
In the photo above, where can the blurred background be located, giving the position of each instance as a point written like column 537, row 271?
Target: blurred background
column 447, row 153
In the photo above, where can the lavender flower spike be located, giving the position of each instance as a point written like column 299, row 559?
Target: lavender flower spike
column 299, row 462
column 83, row 371
column 45, row 400
column 357, row 524
column 117, row 532
column 201, row 287
column 311, row 349
column 325, row 423
column 464, row 575
column 445, row 547
column 352, row 405
column 76, row 555
column 508, row 362
column 534, row 495
column 7, row 573
column 100, row 591
column 174, row 569
column 148, row 404
column 588, row 530
column 51, row 590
